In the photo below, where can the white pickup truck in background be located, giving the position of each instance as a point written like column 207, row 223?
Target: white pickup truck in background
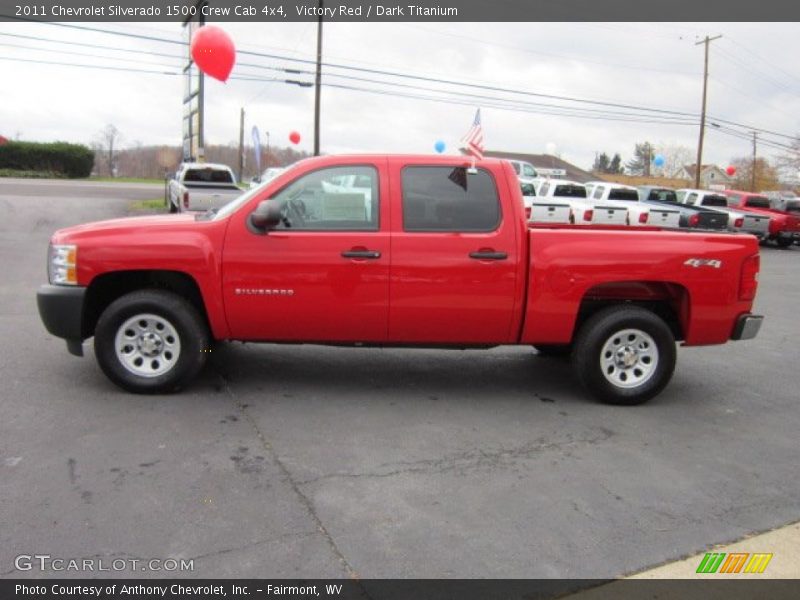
column 201, row 186
column 543, row 210
column 584, row 211
column 639, row 213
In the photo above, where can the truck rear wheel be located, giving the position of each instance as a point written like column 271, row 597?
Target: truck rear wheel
column 150, row 341
column 624, row 355
column 784, row 242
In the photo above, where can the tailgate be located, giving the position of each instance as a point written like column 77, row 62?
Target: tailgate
column 609, row 215
column 550, row 212
column 711, row 219
column 664, row 217
column 755, row 224
column 208, row 199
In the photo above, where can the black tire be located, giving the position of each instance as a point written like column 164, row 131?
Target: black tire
column 555, row 350
column 601, row 364
column 172, row 208
column 173, row 354
column 784, row 242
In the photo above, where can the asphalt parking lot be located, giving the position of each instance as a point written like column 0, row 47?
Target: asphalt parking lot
column 306, row 461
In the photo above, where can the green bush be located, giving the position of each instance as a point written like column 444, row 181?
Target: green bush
column 70, row 160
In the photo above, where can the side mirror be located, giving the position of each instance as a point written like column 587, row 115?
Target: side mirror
column 266, row 216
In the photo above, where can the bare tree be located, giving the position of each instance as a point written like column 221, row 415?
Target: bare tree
column 675, row 157
column 766, row 175
column 106, row 146
column 790, row 160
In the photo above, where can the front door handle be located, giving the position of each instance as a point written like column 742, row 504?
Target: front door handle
column 488, row 255
column 361, row 254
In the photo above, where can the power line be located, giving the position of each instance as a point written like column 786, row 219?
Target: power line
column 106, row 68
column 568, row 111
column 409, row 76
column 393, row 74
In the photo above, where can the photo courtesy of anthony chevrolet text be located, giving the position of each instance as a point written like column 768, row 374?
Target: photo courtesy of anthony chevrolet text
column 430, row 300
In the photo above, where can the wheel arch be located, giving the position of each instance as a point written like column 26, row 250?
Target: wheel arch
column 106, row 288
column 670, row 301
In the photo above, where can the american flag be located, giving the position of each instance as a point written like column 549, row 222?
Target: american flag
column 474, row 137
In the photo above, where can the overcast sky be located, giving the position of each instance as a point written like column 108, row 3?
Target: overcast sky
column 754, row 80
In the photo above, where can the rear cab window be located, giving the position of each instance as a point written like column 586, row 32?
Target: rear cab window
column 208, row 175
column 570, row 191
column 438, row 199
column 623, row 194
column 758, row 202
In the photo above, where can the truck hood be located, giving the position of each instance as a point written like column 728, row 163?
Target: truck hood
column 126, row 225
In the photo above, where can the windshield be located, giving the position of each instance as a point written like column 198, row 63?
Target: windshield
column 623, row 194
column 232, row 207
column 516, row 167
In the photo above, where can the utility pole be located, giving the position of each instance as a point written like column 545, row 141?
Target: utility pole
column 266, row 158
column 318, row 80
column 753, row 174
column 707, row 40
column 241, row 144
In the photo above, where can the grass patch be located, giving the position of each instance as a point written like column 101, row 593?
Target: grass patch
column 153, row 204
column 31, row 174
column 125, row 180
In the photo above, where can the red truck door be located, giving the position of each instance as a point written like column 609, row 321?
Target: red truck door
column 323, row 274
column 455, row 255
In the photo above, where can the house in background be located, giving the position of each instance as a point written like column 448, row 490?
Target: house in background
column 710, row 176
column 547, row 165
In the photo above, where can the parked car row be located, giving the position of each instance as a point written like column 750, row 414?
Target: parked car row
column 775, row 219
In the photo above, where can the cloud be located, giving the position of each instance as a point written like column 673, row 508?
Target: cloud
column 645, row 64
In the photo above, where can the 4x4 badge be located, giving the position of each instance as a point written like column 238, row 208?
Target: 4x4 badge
column 703, row 262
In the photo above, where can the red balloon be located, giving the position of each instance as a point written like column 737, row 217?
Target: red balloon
column 294, row 137
column 731, row 171
column 213, row 52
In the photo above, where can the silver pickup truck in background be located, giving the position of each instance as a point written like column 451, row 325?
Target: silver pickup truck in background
column 201, row 186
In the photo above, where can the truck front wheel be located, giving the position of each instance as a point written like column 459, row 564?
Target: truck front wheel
column 150, row 341
column 624, row 355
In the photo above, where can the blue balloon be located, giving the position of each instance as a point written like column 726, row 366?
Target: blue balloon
column 658, row 160
column 439, row 146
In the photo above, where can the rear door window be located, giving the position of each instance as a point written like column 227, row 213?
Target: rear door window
column 449, row 199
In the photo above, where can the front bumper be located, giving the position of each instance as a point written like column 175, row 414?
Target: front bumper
column 61, row 311
column 747, row 327
column 789, row 235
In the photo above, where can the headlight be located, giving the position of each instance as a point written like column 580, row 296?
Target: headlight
column 62, row 264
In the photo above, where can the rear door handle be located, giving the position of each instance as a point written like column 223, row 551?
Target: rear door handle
column 361, row 254
column 488, row 255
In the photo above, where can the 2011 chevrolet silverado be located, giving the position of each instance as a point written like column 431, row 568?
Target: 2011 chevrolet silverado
column 423, row 251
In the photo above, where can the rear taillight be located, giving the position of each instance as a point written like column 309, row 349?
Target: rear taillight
column 528, row 213
column 749, row 282
column 186, row 199
column 588, row 214
column 643, row 218
column 694, row 220
column 738, row 222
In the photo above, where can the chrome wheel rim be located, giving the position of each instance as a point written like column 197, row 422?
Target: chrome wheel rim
column 629, row 358
column 147, row 345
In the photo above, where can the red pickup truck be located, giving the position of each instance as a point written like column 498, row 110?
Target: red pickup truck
column 395, row 251
column 784, row 227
